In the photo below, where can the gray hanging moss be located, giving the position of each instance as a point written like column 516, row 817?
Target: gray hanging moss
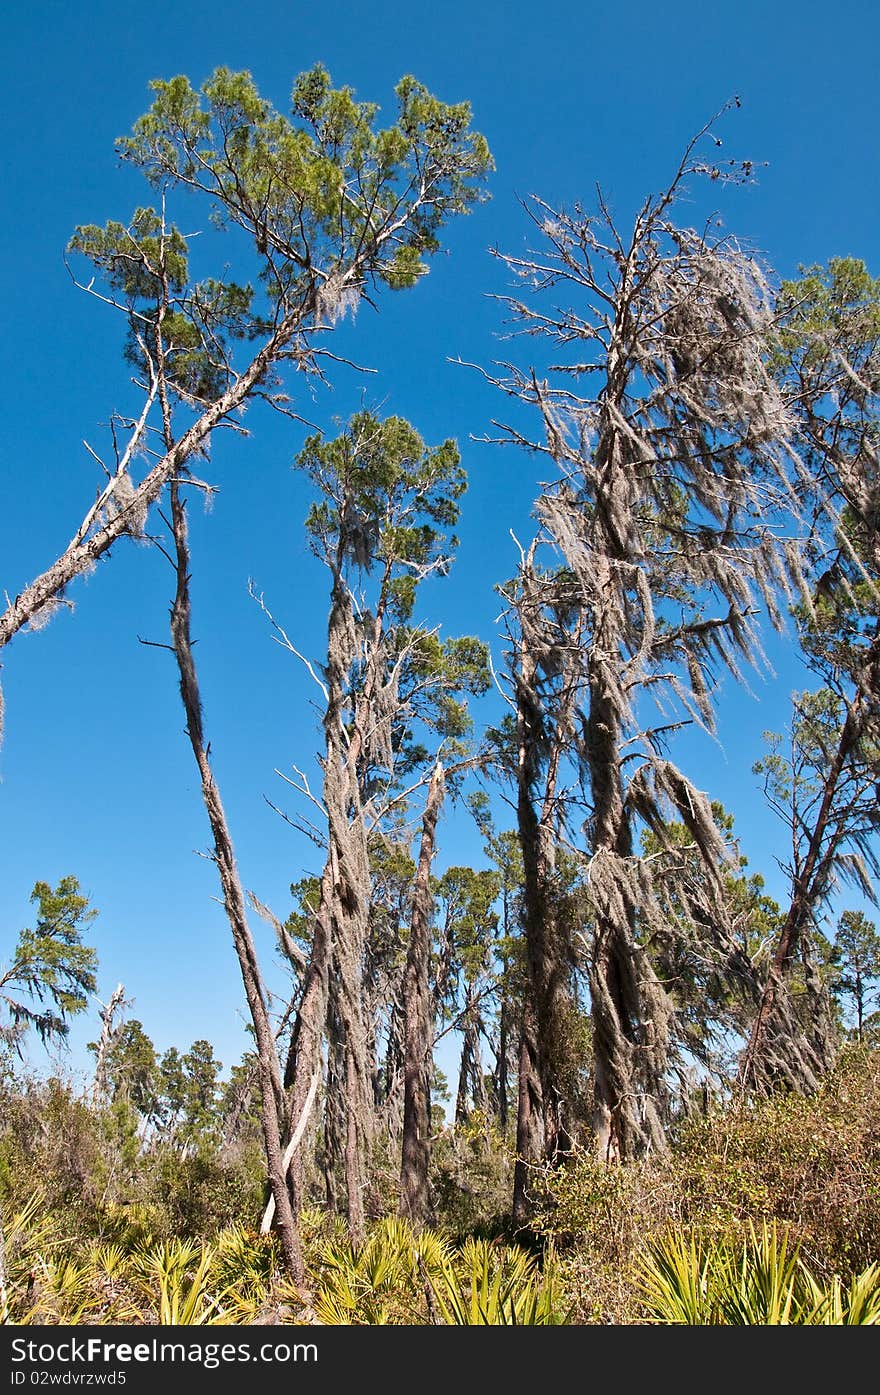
column 661, row 545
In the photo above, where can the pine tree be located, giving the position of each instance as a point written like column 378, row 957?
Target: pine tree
column 52, row 974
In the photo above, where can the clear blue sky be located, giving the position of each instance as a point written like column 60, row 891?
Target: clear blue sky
column 96, row 776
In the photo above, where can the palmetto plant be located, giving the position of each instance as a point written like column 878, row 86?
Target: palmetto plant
column 65, row 1292
column 399, row 1275
column 245, row 1272
column 28, row 1235
column 109, row 1267
column 63, row 1288
column 178, row 1280
column 245, row 1258
column 857, row 1304
column 133, row 1226
column 489, row 1285
column 763, row 1282
column 675, row 1282
column 108, row 1259
column 379, row 1282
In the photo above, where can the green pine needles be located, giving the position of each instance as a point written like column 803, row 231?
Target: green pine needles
column 52, row 974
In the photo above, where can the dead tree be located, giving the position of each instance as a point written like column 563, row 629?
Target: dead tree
column 271, row 1090
column 115, row 1003
column 672, row 444
column 342, row 915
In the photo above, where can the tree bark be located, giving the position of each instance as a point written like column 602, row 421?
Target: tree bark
column 471, row 1084
column 502, row 1088
column 529, row 1136
column 541, row 1135
column 304, row 1052
column 415, row 1196
column 629, row 1048
column 82, row 552
column 334, row 978
column 271, row 1092
column 756, row 1069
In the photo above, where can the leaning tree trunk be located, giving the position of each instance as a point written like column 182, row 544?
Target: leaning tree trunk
column 304, row 1052
column 271, row 1093
column 415, row 1195
column 92, row 542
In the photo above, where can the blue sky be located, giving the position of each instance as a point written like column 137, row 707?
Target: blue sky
column 96, row 777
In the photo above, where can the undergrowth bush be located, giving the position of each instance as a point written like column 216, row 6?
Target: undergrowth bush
column 100, row 1227
column 811, row 1165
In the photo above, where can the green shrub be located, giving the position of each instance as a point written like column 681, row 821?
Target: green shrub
column 811, row 1164
column 472, row 1179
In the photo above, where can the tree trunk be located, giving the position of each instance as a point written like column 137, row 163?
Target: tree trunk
column 501, row 1061
column 107, row 1014
column 629, row 1021
column 332, row 1150
column 350, row 912
column 393, row 1071
column 415, row 1197
column 334, row 975
column 542, row 1135
column 760, row 1063
column 86, row 548
column 529, row 1135
column 471, row 1085
column 271, row 1093
column 304, row 1052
